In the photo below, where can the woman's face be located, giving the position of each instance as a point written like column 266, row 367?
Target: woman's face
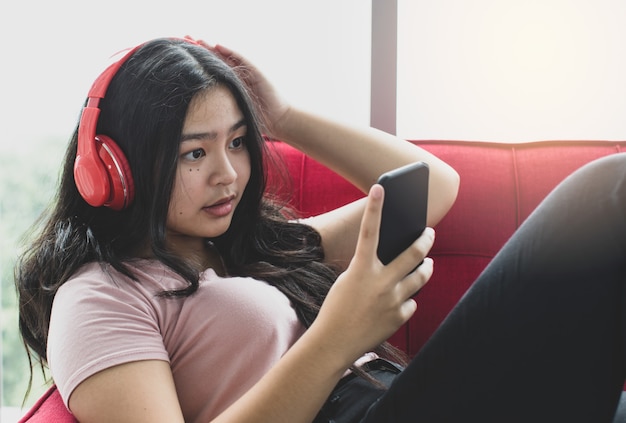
column 213, row 170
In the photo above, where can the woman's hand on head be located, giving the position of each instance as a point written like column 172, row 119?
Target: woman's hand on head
column 370, row 301
column 272, row 106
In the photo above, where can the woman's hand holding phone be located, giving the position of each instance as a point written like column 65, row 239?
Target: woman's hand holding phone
column 371, row 300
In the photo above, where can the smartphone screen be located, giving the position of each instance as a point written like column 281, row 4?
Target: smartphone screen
column 404, row 209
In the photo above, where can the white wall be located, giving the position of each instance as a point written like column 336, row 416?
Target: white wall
column 499, row 70
column 512, row 70
column 317, row 53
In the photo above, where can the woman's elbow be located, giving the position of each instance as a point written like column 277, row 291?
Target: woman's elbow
column 443, row 194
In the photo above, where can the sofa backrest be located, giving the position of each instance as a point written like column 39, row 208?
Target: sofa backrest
column 500, row 185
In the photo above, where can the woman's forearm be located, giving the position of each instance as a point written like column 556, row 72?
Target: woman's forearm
column 362, row 154
column 294, row 389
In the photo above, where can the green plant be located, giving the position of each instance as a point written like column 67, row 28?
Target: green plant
column 28, row 177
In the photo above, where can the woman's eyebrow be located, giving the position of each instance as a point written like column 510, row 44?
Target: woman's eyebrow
column 211, row 134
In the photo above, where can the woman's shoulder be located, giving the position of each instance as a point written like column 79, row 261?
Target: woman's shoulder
column 149, row 277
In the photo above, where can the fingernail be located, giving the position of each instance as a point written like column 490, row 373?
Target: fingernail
column 376, row 191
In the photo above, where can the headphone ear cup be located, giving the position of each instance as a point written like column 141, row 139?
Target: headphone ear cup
column 118, row 173
column 104, row 178
column 90, row 176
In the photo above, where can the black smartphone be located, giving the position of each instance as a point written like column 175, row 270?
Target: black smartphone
column 404, row 209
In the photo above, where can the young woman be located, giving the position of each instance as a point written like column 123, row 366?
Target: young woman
column 186, row 294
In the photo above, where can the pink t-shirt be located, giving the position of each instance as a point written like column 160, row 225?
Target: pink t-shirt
column 219, row 342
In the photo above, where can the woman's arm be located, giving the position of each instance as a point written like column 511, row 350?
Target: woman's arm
column 360, row 155
column 139, row 391
column 144, row 391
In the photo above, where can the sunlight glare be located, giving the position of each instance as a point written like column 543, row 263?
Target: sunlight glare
column 512, row 70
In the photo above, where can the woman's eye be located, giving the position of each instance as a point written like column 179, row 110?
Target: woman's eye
column 237, row 143
column 194, row 154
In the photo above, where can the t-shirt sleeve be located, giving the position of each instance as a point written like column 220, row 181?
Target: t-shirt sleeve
column 99, row 321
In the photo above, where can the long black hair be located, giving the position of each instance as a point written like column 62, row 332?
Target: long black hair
column 143, row 111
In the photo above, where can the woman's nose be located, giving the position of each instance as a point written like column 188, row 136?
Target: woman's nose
column 223, row 171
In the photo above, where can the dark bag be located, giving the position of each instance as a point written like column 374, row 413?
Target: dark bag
column 353, row 395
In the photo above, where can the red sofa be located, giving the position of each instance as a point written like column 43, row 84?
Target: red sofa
column 500, row 185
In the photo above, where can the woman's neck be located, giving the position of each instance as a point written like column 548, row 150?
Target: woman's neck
column 200, row 256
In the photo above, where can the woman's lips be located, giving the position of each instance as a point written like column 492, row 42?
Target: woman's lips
column 221, row 208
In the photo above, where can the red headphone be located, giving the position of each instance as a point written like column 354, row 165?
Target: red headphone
column 101, row 171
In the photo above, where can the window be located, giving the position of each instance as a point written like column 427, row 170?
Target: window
column 511, row 70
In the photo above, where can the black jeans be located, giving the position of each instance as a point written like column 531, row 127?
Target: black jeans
column 541, row 335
